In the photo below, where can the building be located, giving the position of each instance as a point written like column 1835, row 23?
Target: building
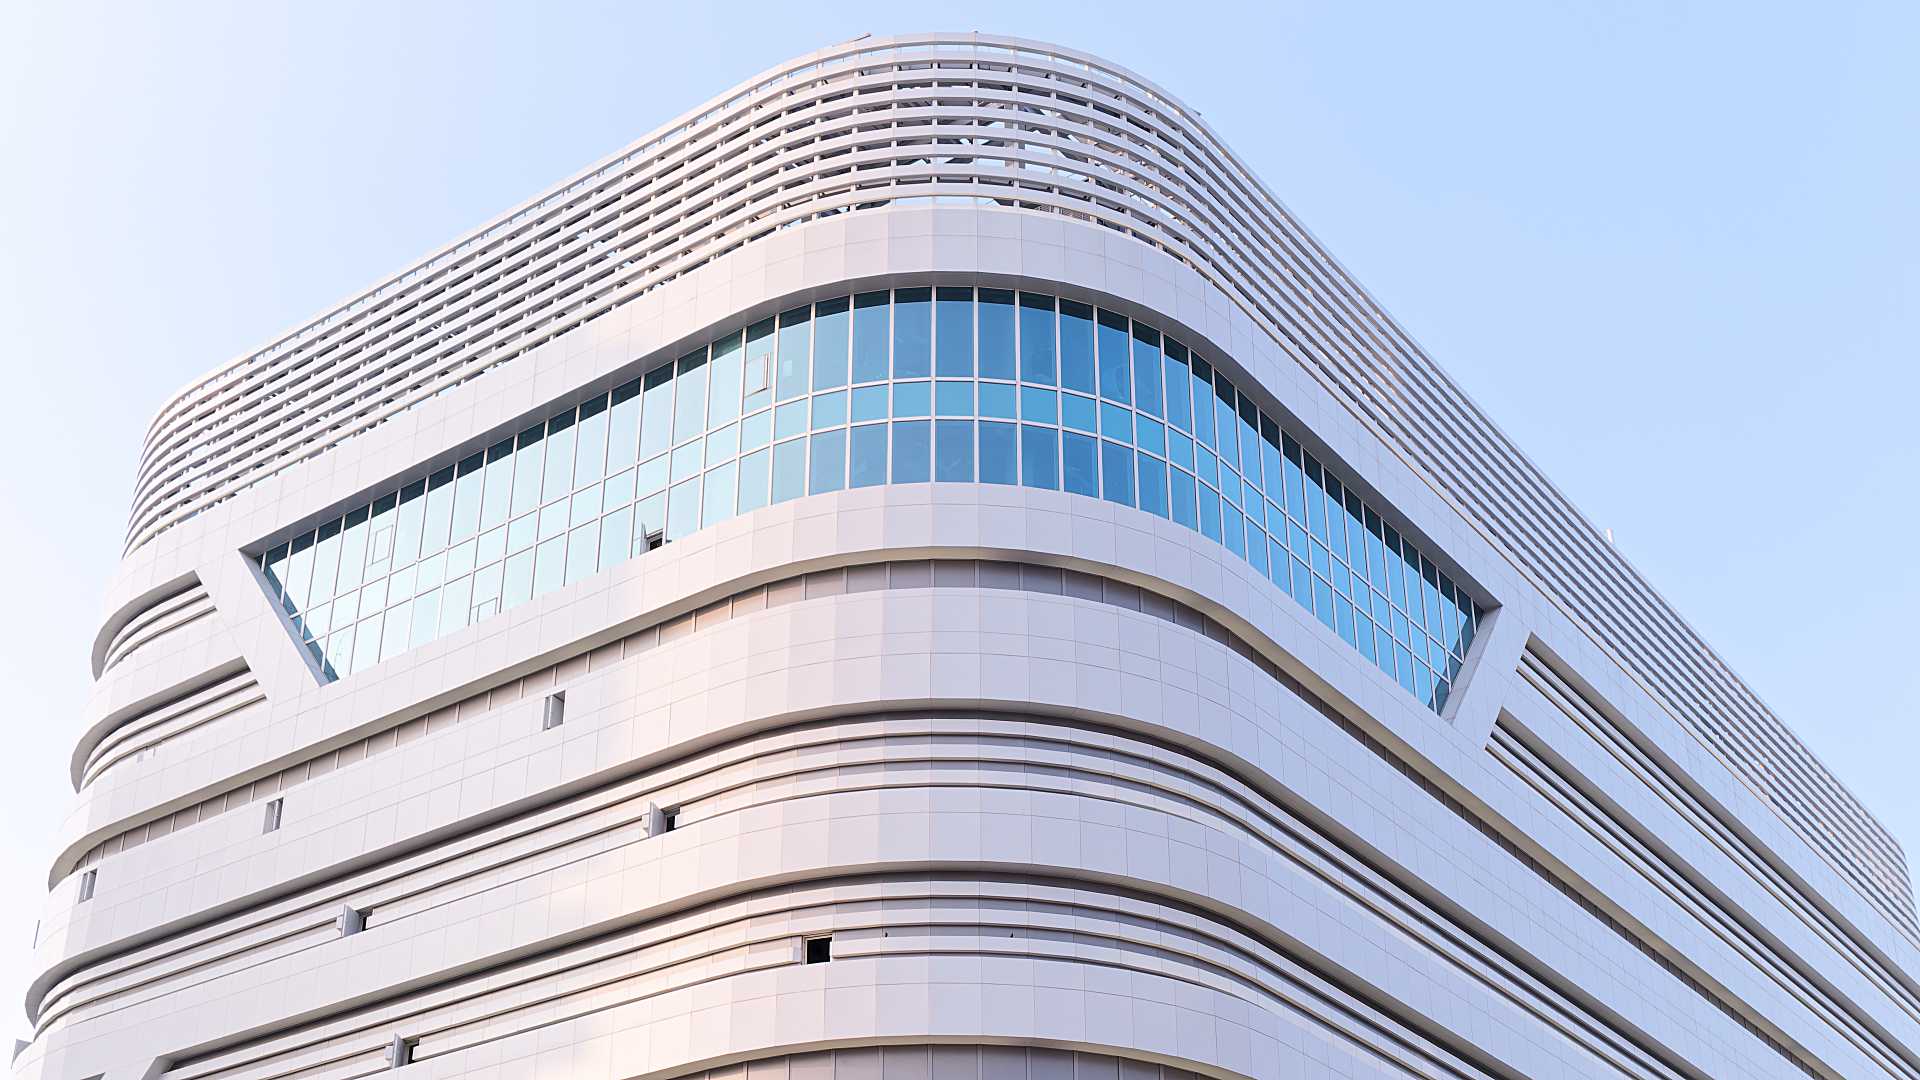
column 921, row 568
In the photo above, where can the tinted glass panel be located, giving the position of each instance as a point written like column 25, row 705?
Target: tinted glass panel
column 687, row 446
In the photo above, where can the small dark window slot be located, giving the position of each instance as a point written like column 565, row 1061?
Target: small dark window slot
column 819, row 949
column 87, row 881
column 276, row 808
column 669, row 820
column 400, row 1051
column 554, row 712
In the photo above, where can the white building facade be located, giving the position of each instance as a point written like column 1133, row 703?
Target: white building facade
column 920, row 569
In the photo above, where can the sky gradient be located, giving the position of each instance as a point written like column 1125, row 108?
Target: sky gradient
column 1673, row 249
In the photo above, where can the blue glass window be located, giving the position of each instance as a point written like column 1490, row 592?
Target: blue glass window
column 1081, row 459
column 1076, row 346
column 796, row 348
column 827, row 460
column 831, row 334
column 1147, row 396
column 912, row 333
column 912, row 451
column 869, row 455
column 725, row 385
column 954, row 324
column 1201, row 381
column 789, row 470
column 999, row 454
column 690, row 400
column 1179, row 405
column 953, row 451
column 1039, row 456
column 1116, row 473
column 998, row 400
column 1079, row 413
column 996, row 334
column 1036, row 338
column 953, row 397
column 1153, row 485
column 1180, row 499
column 756, row 379
column 690, row 439
column 1116, row 375
column 870, row 337
column 912, row 398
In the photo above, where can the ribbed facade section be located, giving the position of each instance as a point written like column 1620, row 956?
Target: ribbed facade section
column 920, row 568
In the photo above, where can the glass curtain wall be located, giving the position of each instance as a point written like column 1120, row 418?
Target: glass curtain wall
column 915, row 385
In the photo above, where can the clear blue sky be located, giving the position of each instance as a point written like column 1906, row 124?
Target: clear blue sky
column 1673, row 248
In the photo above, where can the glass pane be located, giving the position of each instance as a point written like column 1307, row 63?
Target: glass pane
column 831, row 332
column 1039, row 453
column 496, row 501
column 912, row 398
column 616, row 537
column 756, row 378
column 999, row 454
column 953, row 397
column 1179, row 405
column 683, row 508
column 549, row 571
column 1180, row 493
column 1225, row 442
column 718, row 500
column 998, row 400
column 590, row 444
column 690, row 399
column 954, row 324
column 1249, row 442
column 953, row 451
column 467, row 486
column 869, row 337
column 828, row 471
column 1153, row 485
column 789, row 470
column 656, row 417
column 796, row 341
column 433, row 532
column 583, row 554
column 912, row 451
column 1076, row 346
column 1209, row 513
column 1146, row 370
column 996, row 333
column 869, row 455
column 1079, row 413
column 1116, row 473
column 1202, row 383
column 1036, row 339
column 1116, row 376
column 1080, row 455
column 912, row 333
column 870, row 403
column 727, row 380
column 753, row 479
